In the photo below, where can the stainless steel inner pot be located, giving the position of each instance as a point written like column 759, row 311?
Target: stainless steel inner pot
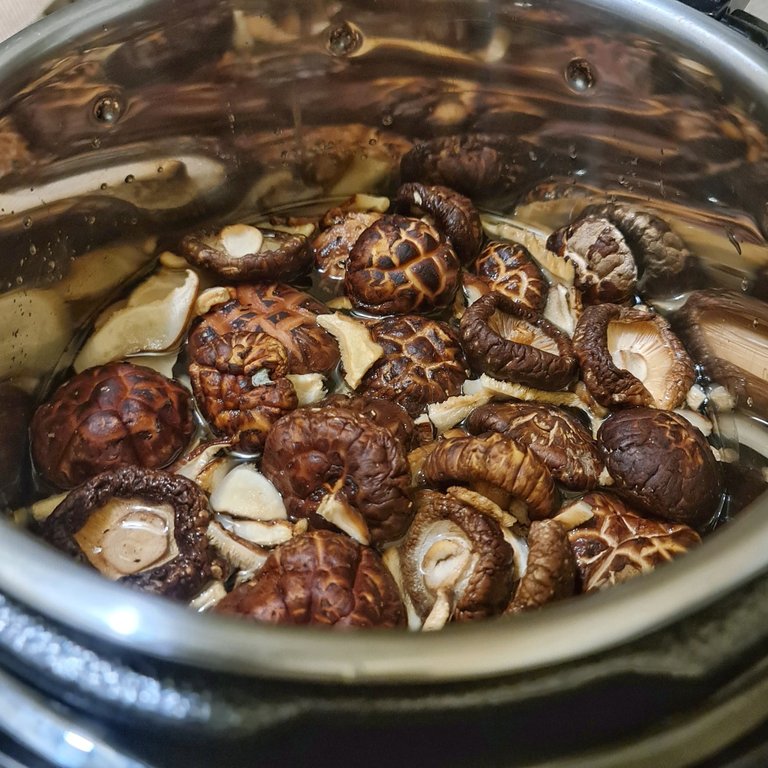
column 121, row 123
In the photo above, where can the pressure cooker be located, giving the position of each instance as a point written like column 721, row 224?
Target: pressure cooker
column 123, row 124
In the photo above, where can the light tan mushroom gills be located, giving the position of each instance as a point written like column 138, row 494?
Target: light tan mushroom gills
column 127, row 536
column 740, row 344
column 522, row 332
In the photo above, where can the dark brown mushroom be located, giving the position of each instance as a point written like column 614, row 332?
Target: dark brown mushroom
column 510, row 270
column 15, row 413
column 280, row 311
column 616, row 544
column 554, row 436
column 339, row 466
column 319, row 577
column 507, row 340
column 455, row 215
column 662, row 465
column 423, row 363
column 400, row 265
column 551, row 571
column 107, row 417
column 604, row 264
column 145, row 528
column 455, row 561
column 631, row 357
column 332, row 246
column 385, row 413
column 240, row 385
column 493, row 461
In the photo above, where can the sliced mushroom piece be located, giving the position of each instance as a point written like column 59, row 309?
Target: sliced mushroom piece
column 264, row 533
column 662, row 465
column 604, row 264
column 331, row 247
column 564, row 307
column 455, row 561
column 310, row 388
column 448, row 413
column 142, row 527
column 632, row 357
column 507, row 340
column 358, row 349
column 320, row 578
column 555, row 437
column 616, row 544
column 245, row 492
column 239, row 553
column 511, row 271
column 208, row 597
column 391, row 558
column 496, row 461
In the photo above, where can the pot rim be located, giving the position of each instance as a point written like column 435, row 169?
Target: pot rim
column 47, row 582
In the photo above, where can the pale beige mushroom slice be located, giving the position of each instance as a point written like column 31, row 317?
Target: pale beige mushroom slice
column 244, row 492
column 241, row 554
column 310, row 387
column 391, row 558
column 265, row 533
column 208, row 597
column 336, row 510
column 358, row 349
column 153, row 319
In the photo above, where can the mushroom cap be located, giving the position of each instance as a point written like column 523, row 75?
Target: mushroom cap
column 332, row 246
column 315, row 453
column 554, row 436
column 240, row 385
column 604, row 264
column 496, row 460
column 244, row 253
column 631, row 357
column 110, row 416
column 320, row 577
column 508, row 341
column 283, row 312
column 385, row 413
column 511, row 271
column 423, row 363
column 661, row 465
column 400, row 265
column 551, row 571
column 455, row 215
column 454, row 547
column 616, row 544
column 145, row 528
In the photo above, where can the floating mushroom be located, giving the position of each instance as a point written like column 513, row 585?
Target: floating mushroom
column 511, row 271
column 662, row 465
column 615, row 544
column 632, row 357
column 332, row 246
column 507, row 340
column 320, row 578
column 110, row 416
column 142, row 527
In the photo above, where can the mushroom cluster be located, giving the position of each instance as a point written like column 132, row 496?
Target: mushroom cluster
column 387, row 448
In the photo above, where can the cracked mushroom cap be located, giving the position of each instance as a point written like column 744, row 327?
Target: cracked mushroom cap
column 280, row 311
column 604, row 264
column 423, row 363
column 110, row 416
column 239, row 382
column 320, row 577
column 662, row 465
column 385, row 413
column 495, row 461
column 510, row 270
column 242, row 252
column 145, row 528
column 455, row 561
column 331, row 247
column 631, row 357
column 616, row 544
column 455, row 215
column 552, row 435
column 551, row 571
column 508, row 341
column 340, row 466
column 401, row 265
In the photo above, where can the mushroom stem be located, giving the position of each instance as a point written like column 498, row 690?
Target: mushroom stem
column 336, row 510
column 440, row 613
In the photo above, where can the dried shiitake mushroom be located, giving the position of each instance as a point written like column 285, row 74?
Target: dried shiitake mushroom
column 661, row 465
column 616, row 544
column 604, row 264
column 554, row 436
column 145, row 528
column 510, row 270
column 331, row 247
column 15, row 413
column 385, row 413
column 455, row 561
column 508, row 341
column 319, row 577
column 336, row 465
column 454, row 214
column 107, row 417
column 631, row 357
column 400, row 265
column 423, row 363
column 246, row 253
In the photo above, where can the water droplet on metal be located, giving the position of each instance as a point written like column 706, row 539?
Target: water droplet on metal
column 103, row 185
column 344, row 39
column 130, row 178
column 108, row 109
column 27, row 222
column 733, row 241
column 750, row 402
column 580, row 75
column 387, row 120
column 32, row 250
column 96, row 143
column 745, row 285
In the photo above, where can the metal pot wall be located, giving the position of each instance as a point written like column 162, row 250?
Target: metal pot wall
column 122, row 123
